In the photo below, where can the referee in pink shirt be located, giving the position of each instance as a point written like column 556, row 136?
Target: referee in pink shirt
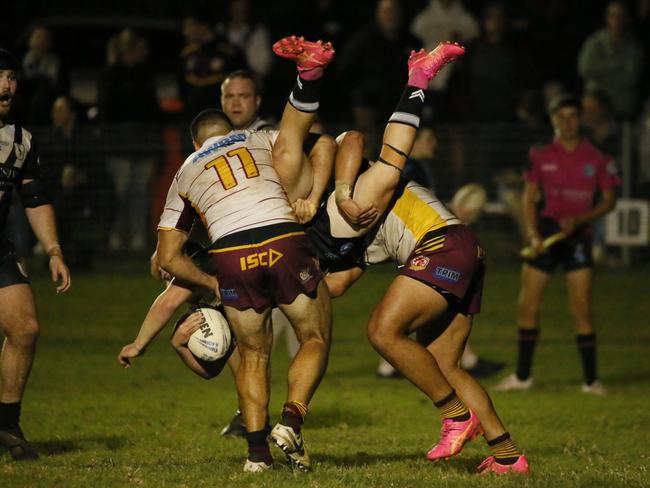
column 568, row 184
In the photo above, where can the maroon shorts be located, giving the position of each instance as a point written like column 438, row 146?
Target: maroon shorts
column 452, row 262
column 265, row 267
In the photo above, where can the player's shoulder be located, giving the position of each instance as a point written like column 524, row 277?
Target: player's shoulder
column 540, row 149
column 17, row 131
column 591, row 151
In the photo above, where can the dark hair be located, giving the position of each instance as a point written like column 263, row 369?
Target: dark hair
column 245, row 75
column 564, row 101
column 8, row 61
column 207, row 118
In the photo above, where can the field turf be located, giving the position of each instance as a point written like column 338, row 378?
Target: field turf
column 158, row 425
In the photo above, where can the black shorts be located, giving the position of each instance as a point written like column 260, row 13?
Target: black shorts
column 572, row 253
column 11, row 272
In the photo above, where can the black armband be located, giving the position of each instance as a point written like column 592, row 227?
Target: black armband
column 34, row 194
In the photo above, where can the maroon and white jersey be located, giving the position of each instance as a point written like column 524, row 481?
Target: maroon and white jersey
column 230, row 183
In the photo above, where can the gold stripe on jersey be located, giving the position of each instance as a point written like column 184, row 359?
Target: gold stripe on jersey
column 172, row 228
column 432, row 247
column 433, row 241
column 417, row 215
column 257, row 244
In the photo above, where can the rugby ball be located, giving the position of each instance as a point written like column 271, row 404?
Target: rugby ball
column 212, row 340
column 468, row 202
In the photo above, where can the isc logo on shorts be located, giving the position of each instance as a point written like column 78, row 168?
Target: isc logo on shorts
column 260, row 259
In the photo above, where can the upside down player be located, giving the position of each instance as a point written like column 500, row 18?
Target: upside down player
column 260, row 253
column 437, row 291
column 19, row 170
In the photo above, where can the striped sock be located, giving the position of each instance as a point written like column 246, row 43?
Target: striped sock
column 293, row 415
column 452, row 408
column 504, row 450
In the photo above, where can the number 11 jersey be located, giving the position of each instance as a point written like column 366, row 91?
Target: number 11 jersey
column 231, row 184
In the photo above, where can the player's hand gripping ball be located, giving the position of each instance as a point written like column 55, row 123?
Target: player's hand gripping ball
column 211, row 340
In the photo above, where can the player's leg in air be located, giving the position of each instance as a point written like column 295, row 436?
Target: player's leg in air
column 299, row 114
column 376, row 185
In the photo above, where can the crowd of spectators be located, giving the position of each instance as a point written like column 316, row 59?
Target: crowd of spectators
column 519, row 54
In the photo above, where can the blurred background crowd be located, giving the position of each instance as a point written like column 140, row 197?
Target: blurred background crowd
column 108, row 90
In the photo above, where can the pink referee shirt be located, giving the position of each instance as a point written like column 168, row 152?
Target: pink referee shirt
column 569, row 180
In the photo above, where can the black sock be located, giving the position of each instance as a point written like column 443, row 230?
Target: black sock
column 304, row 96
column 587, row 348
column 409, row 108
column 9, row 415
column 527, row 342
column 258, row 446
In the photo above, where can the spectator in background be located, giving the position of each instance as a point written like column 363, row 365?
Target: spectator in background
column 443, row 20
column 44, row 76
column 77, row 174
column 371, row 66
column 487, row 88
column 612, row 60
column 600, row 124
column 129, row 109
column 240, row 100
column 250, row 37
column 206, row 59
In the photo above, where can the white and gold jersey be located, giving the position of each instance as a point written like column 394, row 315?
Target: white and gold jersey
column 415, row 213
column 230, row 183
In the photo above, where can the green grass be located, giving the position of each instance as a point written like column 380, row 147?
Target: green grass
column 157, row 424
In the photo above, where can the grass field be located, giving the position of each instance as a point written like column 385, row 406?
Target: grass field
column 158, row 425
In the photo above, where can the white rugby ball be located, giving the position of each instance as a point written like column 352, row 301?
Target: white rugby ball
column 212, row 340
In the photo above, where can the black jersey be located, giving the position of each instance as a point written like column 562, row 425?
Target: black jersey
column 18, row 162
column 341, row 253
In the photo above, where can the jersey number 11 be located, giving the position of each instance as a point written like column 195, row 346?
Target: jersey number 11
column 224, row 170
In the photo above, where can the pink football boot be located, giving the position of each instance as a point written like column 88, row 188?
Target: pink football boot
column 429, row 64
column 490, row 465
column 307, row 55
column 454, row 435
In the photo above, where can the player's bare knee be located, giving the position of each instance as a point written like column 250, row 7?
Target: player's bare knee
column 25, row 334
column 380, row 334
column 327, row 143
column 353, row 138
